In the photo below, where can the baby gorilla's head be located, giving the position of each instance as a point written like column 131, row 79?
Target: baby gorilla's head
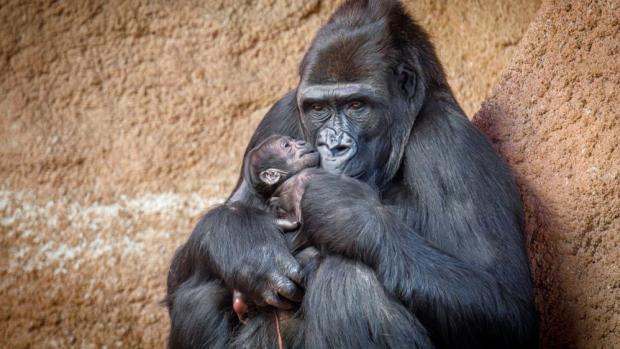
column 275, row 160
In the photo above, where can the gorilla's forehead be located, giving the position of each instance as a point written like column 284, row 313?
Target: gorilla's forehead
column 348, row 55
column 337, row 90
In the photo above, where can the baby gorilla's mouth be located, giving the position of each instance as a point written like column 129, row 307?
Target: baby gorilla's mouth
column 306, row 152
column 308, row 157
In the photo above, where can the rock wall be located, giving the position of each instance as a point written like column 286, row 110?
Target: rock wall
column 554, row 116
column 121, row 121
column 123, row 97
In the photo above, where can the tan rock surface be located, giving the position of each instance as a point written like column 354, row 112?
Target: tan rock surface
column 103, row 98
column 122, row 121
column 555, row 116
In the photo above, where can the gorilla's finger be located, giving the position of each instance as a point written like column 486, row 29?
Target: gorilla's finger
column 287, row 289
column 286, row 225
column 295, row 273
column 290, row 267
column 275, row 301
column 307, row 255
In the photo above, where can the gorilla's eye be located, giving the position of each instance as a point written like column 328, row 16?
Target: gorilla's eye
column 356, row 105
column 317, row 107
column 285, row 144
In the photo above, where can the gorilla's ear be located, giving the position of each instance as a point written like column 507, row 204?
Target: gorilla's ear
column 271, row 176
column 407, row 80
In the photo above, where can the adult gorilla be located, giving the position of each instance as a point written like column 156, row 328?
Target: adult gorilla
column 436, row 257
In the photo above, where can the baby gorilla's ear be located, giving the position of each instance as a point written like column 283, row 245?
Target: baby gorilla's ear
column 271, row 176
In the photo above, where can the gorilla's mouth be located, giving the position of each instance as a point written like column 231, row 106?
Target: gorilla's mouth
column 335, row 159
column 336, row 147
column 340, row 150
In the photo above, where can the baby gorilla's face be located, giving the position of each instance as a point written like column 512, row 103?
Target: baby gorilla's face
column 281, row 157
column 298, row 154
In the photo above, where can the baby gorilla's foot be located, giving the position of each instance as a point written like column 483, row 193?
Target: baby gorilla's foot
column 240, row 306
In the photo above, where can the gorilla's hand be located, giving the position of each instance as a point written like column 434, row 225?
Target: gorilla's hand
column 341, row 215
column 269, row 275
column 309, row 260
column 244, row 247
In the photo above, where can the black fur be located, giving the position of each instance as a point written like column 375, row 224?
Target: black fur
column 423, row 249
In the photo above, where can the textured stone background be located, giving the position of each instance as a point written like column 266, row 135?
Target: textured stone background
column 122, row 121
column 555, row 116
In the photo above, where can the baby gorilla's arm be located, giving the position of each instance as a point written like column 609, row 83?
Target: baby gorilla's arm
column 290, row 192
column 288, row 206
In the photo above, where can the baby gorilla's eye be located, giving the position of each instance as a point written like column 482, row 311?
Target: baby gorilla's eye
column 356, row 105
column 285, row 144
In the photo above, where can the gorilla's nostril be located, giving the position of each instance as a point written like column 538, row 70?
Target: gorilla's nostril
column 335, row 144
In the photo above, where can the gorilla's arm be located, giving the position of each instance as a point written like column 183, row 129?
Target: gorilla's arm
column 448, row 295
column 227, row 241
column 243, row 246
column 464, row 279
column 234, row 246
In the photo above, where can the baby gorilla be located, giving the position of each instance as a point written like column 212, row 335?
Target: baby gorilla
column 266, row 167
column 274, row 161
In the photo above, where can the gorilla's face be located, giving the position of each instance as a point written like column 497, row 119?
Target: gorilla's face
column 357, row 103
column 347, row 123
